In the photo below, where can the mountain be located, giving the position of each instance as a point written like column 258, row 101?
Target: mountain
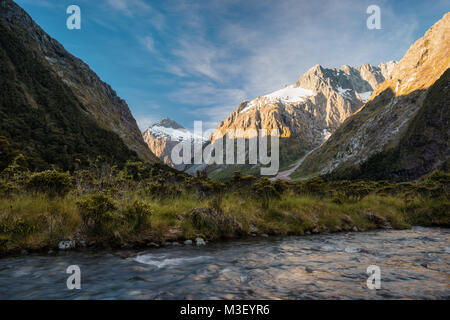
column 403, row 131
column 308, row 112
column 54, row 108
column 163, row 135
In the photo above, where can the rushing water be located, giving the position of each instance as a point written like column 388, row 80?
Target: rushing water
column 414, row 264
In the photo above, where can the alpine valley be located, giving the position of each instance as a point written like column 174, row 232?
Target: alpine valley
column 364, row 160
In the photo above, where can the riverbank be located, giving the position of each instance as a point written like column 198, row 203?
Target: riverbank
column 37, row 223
column 147, row 205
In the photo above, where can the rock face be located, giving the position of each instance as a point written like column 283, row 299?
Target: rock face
column 309, row 111
column 314, row 106
column 96, row 98
column 162, row 136
column 403, row 131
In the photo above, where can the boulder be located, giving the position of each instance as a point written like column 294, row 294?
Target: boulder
column 65, row 245
column 200, row 242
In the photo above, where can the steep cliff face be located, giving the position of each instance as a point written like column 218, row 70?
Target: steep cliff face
column 314, row 106
column 403, row 131
column 97, row 98
column 309, row 111
column 163, row 136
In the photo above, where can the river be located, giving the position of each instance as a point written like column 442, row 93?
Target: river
column 413, row 263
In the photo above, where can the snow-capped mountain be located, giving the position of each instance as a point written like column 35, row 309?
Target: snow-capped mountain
column 403, row 131
column 163, row 135
column 307, row 112
column 314, row 106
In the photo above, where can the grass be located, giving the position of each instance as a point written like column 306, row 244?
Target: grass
column 34, row 221
column 145, row 203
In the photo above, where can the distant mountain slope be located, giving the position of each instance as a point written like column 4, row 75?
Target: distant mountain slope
column 305, row 113
column 162, row 136
column 53, row 107
column 403, row 131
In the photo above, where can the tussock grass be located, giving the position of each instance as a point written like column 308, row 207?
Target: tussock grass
column 34, row 220
column 141, row 204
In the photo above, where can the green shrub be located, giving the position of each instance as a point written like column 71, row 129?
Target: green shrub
column 7, row 189
column 23, row 228
column 53, row 183
column 138, row 215
column 160, row 190
column 98, row 213
column 265, row 190
column 214, row 224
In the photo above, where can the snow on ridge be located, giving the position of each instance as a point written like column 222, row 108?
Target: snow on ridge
column 365, row 95
column 174, row 134
column 250, row 104
column 288, row 94
column 343, row 92
column 326, row 134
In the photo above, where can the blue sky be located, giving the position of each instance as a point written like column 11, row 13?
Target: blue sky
column 197, row 60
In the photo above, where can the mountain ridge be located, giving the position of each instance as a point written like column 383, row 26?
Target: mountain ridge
column 388, row 125
column 163, row 135
column 307, row 112
column 98, row 98
column 46, row 113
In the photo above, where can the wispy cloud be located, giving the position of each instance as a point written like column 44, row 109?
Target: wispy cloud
column 128, row 7
column 200, row 59
column 271, row 45
column 148, row 43
column 145, row 121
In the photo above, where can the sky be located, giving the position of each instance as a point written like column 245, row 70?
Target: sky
column 197, row 60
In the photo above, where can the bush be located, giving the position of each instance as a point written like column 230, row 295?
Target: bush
column 161, row 190
column 265, row 190
column 314, row 187
column 214, row 223
column 97, row 212
column 138, row 215
column 53, row 183
column 7, row 189
column 23, row 227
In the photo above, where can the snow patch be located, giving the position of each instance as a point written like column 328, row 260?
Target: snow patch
column 174, row 134
column 250, row 104
column 365, row 95
column 290, row 94
column 326, row 134
column 343, row 92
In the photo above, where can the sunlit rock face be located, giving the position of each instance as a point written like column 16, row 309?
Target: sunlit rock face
column 402, row 132
column 309, row 111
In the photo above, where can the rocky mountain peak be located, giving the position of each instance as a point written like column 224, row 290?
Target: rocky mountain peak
column 167, row 123
column 428, row 57
column 386, row 68
column 402, row 132
column 308, row 111
column 162, row 136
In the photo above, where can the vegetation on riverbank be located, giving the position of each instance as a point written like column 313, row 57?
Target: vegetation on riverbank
column 143, row 203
